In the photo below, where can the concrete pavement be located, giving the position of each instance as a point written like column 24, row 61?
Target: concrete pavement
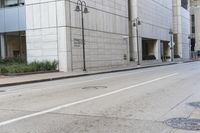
column 138, row 101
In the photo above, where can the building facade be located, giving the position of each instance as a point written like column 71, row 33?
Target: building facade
column 181, row 28
column 51, row 30
column 195, row 24
column 156, row 22
column 54, row 33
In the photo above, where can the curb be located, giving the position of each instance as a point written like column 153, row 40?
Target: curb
column 83, row 75
column 191, row 61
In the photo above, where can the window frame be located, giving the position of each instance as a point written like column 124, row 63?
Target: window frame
column 193, row 24
column 17, row 3
column 184, row 4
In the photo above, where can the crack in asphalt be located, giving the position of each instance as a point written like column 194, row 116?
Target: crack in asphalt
column 179, row 103
column 83, row 115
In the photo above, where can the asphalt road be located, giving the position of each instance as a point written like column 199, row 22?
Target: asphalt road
column 138, row 101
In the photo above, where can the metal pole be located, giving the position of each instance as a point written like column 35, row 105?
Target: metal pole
column 171, row 49
column 83, row 38
column 190, row 43
column 137, row 43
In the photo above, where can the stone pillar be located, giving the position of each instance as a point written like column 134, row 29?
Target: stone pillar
column 136, row 50
column 179, row 30
column 3, row 47
column 197, row 27
column 140, row 47
column 64, row 36
column 133, row 38
column 157, row 50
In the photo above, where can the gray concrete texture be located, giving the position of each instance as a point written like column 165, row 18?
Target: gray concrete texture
column 136, row 101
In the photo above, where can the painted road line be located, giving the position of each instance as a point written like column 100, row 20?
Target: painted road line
column 82, row 101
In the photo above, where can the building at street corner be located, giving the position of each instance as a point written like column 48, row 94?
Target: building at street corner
column 195, row 24
column 181, row 28
column 117, row 33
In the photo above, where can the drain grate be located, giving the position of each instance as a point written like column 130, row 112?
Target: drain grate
column 94, row 87
column 195, row 104
column 184, row 123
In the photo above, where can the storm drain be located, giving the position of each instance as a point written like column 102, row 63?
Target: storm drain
column 184, row 123
column 195, row 104
column 94, row 87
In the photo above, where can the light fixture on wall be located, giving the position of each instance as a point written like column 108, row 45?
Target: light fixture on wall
column 82, row 7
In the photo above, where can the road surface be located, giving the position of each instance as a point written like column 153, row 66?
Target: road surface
column 139, row 101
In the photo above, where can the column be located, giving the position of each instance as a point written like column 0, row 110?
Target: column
column 157, row 50
column 133, row 39
column 136, row 50
column 64, row 36
column 2, row 46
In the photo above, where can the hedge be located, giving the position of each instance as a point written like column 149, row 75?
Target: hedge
column 21, row 67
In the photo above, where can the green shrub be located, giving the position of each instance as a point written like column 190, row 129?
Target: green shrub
column 20, row 67
column 12, row 61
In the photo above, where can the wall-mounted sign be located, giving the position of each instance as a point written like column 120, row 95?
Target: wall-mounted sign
column 173, row 44
column 77, row 43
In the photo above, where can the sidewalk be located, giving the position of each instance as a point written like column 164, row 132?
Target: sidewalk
column 34, row 78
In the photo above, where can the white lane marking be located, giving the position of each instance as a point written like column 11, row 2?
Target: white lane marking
column 82, row 101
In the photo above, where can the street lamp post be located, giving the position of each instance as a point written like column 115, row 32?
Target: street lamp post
column 83, row 10
column 190, row 37
column 171, row 44
column 136, row 23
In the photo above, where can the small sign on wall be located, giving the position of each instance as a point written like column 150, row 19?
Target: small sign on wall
column 173, row 44
column 77, row 43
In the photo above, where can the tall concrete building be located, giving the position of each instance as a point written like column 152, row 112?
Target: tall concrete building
column 195, row 24
column 181, row 28
column 51, row 30
column 156, row 21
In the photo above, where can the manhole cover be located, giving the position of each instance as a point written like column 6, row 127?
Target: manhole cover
column 195, row 104
column 94, row 87
column 184, row 123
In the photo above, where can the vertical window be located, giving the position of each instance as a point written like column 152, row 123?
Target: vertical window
column 184, row 4
column 11, row 3
column 1, row 3
column 193, row 23
column 21, row 2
